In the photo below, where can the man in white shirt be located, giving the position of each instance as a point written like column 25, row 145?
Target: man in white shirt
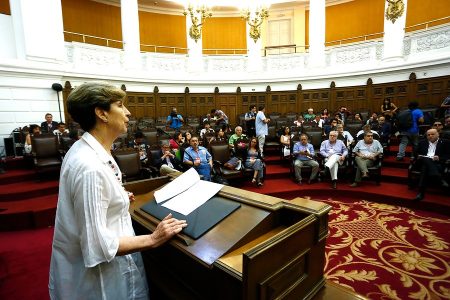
column 261, row 127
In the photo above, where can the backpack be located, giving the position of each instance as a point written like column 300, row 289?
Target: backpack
column 405, row 120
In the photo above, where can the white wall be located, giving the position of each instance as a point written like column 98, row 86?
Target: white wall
column 7, row 41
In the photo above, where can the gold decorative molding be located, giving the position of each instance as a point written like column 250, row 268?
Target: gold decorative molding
column 198, row 16
column 395, row 10
column 256, row 22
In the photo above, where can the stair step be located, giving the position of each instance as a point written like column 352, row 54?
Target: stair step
column 17, row 175
column 27, row 190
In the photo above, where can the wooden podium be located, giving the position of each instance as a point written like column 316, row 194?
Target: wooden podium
column 269, row 248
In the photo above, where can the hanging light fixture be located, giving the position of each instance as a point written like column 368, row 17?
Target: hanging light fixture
column 255, row 17
column 198, row 14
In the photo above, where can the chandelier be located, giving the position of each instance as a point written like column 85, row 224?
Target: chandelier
column 255, row 19
column 198, row 15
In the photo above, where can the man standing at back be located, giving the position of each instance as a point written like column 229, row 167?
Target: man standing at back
column 261, row 127
column 250, row 118
column 175, row 120
column 411, row 134
column 49, row 125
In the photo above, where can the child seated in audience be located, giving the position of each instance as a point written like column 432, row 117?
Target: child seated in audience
column 139, row 143
column 61, row 130
column 285, row 140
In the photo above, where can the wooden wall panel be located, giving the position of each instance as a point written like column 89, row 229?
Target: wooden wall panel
column 228, row 104
column 200, row 104
column 5, row 8
column 427, row 91
column 92, row 18
column 224, row 33
column 353, row 19
column 420, row 11
column 163, row 30
column 282, row 102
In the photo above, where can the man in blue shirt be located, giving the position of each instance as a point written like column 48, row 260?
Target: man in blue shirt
column 175, row 120
column 304, row 153
column 334, row 152
column 411, row 135
column 199, row 158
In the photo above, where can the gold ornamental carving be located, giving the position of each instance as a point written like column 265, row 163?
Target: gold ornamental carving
column 395, row 10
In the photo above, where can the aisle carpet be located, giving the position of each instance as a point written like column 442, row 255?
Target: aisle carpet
column 388, row 252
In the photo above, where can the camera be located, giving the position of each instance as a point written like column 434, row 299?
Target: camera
column 173, row 114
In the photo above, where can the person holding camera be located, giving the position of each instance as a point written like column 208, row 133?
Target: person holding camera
column 175, row 120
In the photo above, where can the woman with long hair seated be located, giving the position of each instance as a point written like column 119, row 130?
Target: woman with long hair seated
column 253, row 161
column 176, row 141
column 285, row 140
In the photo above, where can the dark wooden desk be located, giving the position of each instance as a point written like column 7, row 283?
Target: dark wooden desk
column 269, row 248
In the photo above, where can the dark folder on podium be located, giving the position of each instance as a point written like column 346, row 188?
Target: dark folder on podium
column 201, row 219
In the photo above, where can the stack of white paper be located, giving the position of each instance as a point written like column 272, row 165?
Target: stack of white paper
column 186, row 192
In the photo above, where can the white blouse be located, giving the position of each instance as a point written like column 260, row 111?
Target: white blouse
column 92, row 214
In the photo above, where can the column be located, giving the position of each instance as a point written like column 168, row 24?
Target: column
column 316, row 33
column 254, row 59
column 195, row 49
column 394, row 34
column 38, row 30
column 130, row 34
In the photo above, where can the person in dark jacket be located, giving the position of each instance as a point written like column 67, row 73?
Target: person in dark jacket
column 432, row 155
column 165, row 160
column 49, row 125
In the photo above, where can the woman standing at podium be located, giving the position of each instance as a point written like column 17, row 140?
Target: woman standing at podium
column 95, row 251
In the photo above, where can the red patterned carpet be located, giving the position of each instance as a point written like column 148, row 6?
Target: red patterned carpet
column 388, row 252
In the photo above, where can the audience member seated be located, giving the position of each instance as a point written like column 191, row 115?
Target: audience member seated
column 61, row 131
column 384, row 130
column 299, row 122
column 49, row 125
column 373, row 121
column 206, row 130
column 250, row 118
column 317, row 122
column 309, row 116
column 345, row 135
column 366, row 153
column 443, row 134
column 433, row 153
column 237, row 135
column 388, row 109
column 357, row 118
column 344, row 113
column 174, row 120
column 220, row 136
column 253, row 161
column 199, row 158
column 325, row 116
column 176, row 141
column 366, row 128
column 338, row 118
column 165, row 160
column 285, row 141
column 304, row 156
column 331, row 127
column 33, row 130
column 139, row 143
column 334, row 152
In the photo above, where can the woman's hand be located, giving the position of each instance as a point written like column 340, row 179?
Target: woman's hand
column 131, row 196
column 166, row 229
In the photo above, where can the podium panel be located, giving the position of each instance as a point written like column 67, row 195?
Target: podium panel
column 268, row 248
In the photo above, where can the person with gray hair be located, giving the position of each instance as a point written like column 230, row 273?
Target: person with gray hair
column 334, row 151
column 366, row 151
column 95, row 252
column 304, row 156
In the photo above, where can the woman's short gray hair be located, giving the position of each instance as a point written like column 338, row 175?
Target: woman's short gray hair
column 83, row 100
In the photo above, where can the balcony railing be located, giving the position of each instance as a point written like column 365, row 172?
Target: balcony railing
column 91, row 39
